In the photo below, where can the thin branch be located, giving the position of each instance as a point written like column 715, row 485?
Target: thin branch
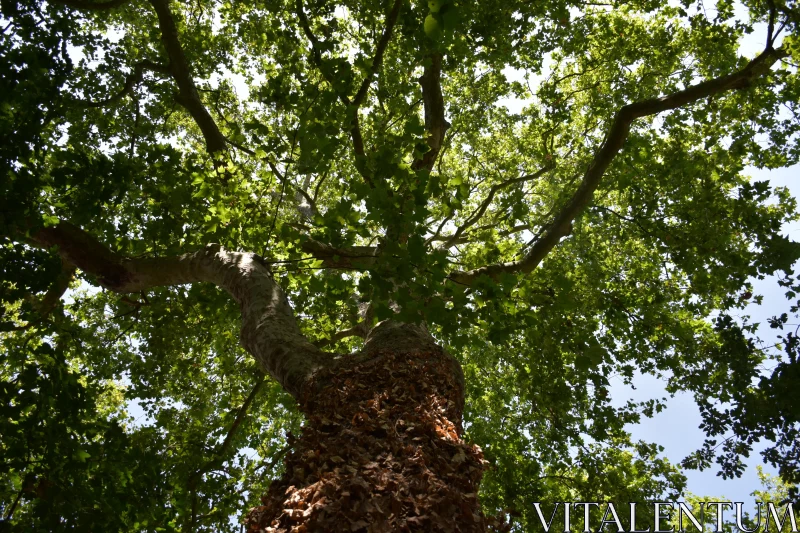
column 319, row 184
column 133, row 79
column 241, row 147
column 438, row 231
column 222, row 449
column 377, row 61
column 479, row 212
column 315, row 53
column 464, row 239
column 13, row 506
column 188, row 96
column 561, row 225
column 57, row 289
column 277, row 207
column 305, row 204
column 219, row 454
column 301, row 195
column 355, row 126
column 306, row 27
column 50, row 299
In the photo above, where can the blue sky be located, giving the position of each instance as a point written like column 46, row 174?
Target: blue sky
column 676, row 428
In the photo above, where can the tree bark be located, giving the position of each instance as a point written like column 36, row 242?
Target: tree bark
column 269, row 328
column 381, row 449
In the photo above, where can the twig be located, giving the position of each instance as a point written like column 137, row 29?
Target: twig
column 478, row 213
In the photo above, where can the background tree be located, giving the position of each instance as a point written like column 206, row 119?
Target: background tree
column 773, row 490
column 333, row 166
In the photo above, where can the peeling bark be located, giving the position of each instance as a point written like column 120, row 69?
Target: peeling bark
column 382, row 448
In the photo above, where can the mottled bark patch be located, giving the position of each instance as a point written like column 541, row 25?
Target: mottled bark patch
column 381, row 451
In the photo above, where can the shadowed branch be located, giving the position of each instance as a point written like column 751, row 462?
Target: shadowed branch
column 133, row 79
column 433, row 103
column 188, row 96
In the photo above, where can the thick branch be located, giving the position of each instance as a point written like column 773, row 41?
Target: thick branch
column 269, row 330
column 478, row 213
column 615, row 139
column 187, row 91
column 433, row 102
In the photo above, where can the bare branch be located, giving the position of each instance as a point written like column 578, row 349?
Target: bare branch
column 615, row 139
column 182, row 74
column 269, row 329
column 377, row 61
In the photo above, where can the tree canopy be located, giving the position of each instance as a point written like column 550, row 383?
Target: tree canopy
column 557, row 189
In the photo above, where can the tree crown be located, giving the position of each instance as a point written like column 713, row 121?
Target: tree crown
column 558, row 190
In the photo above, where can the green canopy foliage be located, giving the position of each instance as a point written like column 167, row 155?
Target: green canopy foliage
column 308, row 133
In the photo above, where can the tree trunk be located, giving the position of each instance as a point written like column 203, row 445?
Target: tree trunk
column 381, row 449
